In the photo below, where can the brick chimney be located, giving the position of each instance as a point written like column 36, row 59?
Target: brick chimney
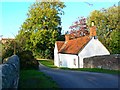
column 92, row 30
column 67, row 37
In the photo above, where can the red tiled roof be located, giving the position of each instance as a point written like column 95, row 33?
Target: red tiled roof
column 79, row 33
column 59, row 44
column 7, row 39
column 4, row 40
column 76, row 41
column 73, row 46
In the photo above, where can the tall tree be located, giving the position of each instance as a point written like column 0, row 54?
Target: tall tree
column 108, row 27
column 42, row 27
column 79, row 28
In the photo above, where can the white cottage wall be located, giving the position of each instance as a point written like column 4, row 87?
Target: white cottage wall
column 93, row 48
column 56, row 58
column 68, row 60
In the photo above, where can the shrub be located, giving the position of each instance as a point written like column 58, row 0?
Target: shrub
column 7, row 49
column 47, row 53
column 27, row 60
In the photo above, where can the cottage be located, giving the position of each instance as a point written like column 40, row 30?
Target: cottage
column 4, row 40
column 71, row 52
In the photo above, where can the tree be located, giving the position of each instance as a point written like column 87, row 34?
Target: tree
column 80, row 24
column 79, row 28
column 7, row 49
column 42, row 27
column 107, row 23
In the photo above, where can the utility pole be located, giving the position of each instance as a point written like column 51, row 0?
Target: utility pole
column 1, row 38
column 14, row 45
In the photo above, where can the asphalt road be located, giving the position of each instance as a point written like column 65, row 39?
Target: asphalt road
column 81, row 79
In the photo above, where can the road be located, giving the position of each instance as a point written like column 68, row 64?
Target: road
column 81, row 79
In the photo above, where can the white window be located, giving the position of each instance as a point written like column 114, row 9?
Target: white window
column 75, row 62
column 60, row 63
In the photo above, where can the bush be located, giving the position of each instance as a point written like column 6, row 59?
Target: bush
column 27, row 60
column 48, row 54
column 7, row 49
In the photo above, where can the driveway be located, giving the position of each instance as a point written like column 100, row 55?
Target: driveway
column 81, row 79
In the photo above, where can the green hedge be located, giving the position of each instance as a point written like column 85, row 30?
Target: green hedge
column 27, row 60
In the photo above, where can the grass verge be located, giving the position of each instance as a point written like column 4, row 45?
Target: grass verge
column 50, row 63
column 35, row 79
column 95, row 70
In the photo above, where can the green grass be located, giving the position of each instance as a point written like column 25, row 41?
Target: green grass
column 35, row 79
column 95, row 70
column 48, row 63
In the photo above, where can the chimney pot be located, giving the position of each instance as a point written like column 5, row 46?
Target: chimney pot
column 92, row 31
column 93, row 23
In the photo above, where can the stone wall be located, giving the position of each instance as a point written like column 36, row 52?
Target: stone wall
column 10, row 72
column 0, row 77
column 111, row 62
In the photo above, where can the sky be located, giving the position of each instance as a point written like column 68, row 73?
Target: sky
column 13, row 13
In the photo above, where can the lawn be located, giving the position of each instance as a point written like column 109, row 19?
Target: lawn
column 49, row 63
column 32, row 79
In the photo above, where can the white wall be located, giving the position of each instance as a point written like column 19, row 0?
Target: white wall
column 68, row 60
column 56, row 58
column 93, row 48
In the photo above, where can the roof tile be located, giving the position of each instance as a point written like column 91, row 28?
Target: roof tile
column 73, row 46
column 59, row 44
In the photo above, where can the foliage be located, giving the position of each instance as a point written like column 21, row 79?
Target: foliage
column 11, row 47
column 42, row 28
column 61, row 38
column 23, row 38
column 79, row 27
column 80, row 24
column 27, row 60
column 7, row 49
column 43, row 43
column 107, row 23
column 33, row 79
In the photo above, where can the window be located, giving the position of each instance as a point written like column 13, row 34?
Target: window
column 60, row 63
column 75, row 62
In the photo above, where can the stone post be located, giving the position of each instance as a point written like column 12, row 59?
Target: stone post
column 10, row 72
